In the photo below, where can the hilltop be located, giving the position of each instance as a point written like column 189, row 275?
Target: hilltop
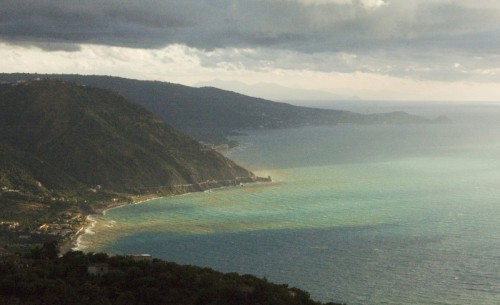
column 210, row 114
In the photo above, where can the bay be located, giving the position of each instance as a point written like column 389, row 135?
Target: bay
column 386, row 214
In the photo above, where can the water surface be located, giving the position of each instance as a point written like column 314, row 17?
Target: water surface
column 363, row 214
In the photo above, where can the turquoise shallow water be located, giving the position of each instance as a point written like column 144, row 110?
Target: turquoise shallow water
column 362, row 214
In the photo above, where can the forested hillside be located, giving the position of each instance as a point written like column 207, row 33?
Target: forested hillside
column 42, row 278
column 68, row 147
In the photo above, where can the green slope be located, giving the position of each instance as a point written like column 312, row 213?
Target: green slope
column 80, row 144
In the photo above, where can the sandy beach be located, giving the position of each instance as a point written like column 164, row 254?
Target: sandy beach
column 73, row 243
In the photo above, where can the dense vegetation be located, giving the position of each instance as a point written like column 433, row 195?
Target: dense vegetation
column 210, row 114
column 43, row 278
column 66, row 147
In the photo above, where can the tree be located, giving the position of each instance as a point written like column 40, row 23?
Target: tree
column 49, row 250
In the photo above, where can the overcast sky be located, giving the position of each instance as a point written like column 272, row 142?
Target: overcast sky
column 371, row 49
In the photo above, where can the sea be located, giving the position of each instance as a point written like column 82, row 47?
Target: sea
column 361, row 214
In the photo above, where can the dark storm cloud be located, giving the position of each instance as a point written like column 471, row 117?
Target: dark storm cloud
column 295, row 25
column 418, row 38
column 147, row 24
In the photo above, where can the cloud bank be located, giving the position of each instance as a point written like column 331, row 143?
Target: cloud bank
column 299, row 25
column 422, row 39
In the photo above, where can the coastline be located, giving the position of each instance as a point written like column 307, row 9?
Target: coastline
column 73, row 243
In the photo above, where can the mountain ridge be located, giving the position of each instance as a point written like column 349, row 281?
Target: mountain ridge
column 66, row 147
column 210, row 114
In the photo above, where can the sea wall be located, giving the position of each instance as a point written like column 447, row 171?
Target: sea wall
column 200, row 186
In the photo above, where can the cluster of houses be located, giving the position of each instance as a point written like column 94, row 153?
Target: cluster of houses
column 66, row 226
column 9, row 225
column 22, row 81
column 63, row 230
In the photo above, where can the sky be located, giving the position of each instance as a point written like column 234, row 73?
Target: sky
column 408, row 50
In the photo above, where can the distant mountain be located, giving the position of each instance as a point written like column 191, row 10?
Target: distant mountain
column 273, row 92
column 209, row 114
column 66, row 142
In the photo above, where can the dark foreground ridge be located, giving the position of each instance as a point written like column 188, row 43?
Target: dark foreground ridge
column 43, row 278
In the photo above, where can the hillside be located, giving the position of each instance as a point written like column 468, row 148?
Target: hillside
column 210, row 114
column 65, row 145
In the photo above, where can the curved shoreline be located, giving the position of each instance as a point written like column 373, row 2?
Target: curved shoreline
column 73, row 243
